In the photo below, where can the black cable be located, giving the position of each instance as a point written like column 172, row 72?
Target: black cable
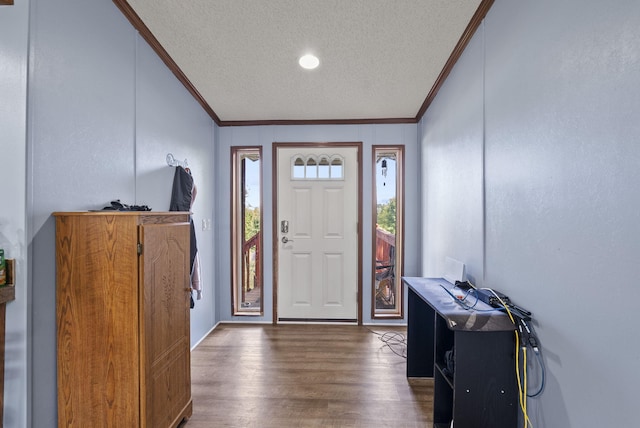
column 532, row 342
column 393, row 340
column 466, row 306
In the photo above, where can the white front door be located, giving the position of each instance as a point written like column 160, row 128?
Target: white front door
column 317, row 222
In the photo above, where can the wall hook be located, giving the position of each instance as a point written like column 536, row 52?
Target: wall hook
column 172, row 161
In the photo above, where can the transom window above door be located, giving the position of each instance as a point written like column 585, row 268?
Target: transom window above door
column 317, row 167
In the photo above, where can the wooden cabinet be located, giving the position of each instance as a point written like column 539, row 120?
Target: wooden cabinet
column 122, row 305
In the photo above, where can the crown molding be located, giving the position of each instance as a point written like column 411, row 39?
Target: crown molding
column 146, row 34
column 473, row 25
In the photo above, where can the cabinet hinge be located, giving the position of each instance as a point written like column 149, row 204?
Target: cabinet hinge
column 139, row 248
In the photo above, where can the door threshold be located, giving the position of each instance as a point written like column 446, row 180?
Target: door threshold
column 318, row 320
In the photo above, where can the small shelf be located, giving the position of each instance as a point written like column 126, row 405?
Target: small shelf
column 483, row 391
column 7, row 294
column 446, row 377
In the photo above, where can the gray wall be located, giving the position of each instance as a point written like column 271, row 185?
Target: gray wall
column 104, row 112
column 13, row 234
column 264, row 136
column 541, row 113
column 452, row 170
column 168, row 120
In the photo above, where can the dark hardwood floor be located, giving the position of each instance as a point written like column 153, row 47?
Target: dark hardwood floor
column 304, row 376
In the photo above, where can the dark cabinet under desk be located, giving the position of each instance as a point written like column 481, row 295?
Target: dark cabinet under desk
column 480, row 389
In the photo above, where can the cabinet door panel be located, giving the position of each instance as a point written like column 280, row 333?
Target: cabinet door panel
column 97, row 313
column 165, row 321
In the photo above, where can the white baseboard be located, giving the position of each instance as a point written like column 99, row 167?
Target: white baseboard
column 205, row 336
column 385, row 324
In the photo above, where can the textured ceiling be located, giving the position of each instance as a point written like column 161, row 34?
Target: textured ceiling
column 379, row 59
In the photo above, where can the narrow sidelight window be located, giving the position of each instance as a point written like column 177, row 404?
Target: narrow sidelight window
column 387, row 223
column 246, row 234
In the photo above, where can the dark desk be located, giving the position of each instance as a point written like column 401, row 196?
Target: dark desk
column 482, row 391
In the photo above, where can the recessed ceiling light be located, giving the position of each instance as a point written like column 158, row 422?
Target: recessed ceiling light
column 309, row 62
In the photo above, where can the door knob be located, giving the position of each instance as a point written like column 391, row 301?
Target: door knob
column 285, row 240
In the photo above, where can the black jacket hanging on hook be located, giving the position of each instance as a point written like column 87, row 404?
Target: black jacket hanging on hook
column 182, row 196
column 181, row 193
